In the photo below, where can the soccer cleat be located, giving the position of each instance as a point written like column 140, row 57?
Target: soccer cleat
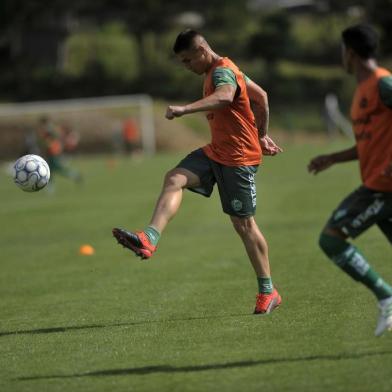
column 137, row 242
column 385, row 318
column 266, row 303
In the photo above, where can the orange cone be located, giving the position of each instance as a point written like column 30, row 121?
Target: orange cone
column 86, row 250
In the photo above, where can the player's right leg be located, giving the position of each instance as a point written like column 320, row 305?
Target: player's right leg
column 385, row 306
column 57, row 164
column 359, row 211
column 170, row 198
column 144, row 243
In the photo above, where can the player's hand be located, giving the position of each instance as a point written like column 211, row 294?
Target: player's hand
column 268, row 146
column 174, row 111
column 320, row 163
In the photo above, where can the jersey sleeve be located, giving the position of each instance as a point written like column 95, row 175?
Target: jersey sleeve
column 246, row 78
column 222, row 76
column 385, row 90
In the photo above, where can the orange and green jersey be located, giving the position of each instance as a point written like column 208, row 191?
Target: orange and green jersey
column 130, row 131
column 371, row 115
column 50, row 141
column 234, row 136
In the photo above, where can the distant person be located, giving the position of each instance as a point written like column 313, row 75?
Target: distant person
column 371, row 203
column 130, row 136
column 70, row 139
column 230, row 160
column 51, row 147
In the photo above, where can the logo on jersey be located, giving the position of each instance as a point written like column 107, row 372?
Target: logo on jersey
column 362, row 120
column 363, row 103
column 363, row 135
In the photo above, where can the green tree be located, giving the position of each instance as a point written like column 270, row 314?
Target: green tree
column 272, row 41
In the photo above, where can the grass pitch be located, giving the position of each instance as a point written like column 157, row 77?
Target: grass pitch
column 182, row 321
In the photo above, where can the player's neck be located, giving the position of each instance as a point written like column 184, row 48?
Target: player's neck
column 364, row 69
column 214, row 57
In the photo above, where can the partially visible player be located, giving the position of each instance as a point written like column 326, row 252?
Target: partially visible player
column 371, row 203
column 51, row 146
column 230, row 160
column 130, row 136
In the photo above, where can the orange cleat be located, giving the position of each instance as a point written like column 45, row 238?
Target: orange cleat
column 266, row 303
column 137, row 242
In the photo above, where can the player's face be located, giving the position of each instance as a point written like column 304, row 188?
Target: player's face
column 194, row 60
column 347, row 59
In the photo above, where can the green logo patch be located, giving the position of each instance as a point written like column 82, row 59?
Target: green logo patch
column 236, row 204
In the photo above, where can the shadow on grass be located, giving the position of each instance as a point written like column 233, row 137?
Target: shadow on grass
column 112, row 325
column 200, row 368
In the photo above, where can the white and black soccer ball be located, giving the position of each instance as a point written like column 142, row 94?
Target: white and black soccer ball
column 31, row 173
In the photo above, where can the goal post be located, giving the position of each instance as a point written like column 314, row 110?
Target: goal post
column 140, row 107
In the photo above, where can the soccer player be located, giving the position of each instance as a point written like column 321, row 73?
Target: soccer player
column 230, row 160
column 51, row 146
column 130, row 136
column 371, row 203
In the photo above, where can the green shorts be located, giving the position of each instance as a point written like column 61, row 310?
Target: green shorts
column 362, row 209
column 55, row 163
column 236, row 184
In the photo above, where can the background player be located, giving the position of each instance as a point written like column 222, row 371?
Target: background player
column 371, row 203
column 50, row 141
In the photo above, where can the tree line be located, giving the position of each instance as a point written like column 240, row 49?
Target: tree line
column 59, row 49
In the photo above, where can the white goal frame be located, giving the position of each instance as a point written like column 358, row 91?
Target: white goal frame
column 142, row 101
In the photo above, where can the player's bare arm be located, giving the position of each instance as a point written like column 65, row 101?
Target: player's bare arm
column 222, row 96
column 323, row 162
column 259, row 102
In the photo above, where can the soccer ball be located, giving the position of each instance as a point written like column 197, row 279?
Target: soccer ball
column 31, row 173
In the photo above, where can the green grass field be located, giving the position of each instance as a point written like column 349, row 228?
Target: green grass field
column 182, row 321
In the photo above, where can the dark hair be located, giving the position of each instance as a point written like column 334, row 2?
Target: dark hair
column 185, row 40
column 362, row 39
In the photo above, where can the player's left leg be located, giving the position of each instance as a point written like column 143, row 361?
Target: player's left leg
column 237, row 190
column 256, row 247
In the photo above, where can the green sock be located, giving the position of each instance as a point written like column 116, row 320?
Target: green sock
column 350, row 260
column 265, row 285
column 152, row 234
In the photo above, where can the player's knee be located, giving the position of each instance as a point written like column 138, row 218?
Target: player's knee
column 324, row 244
column 332, row 244
column 173, row 179
column 242, row 225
